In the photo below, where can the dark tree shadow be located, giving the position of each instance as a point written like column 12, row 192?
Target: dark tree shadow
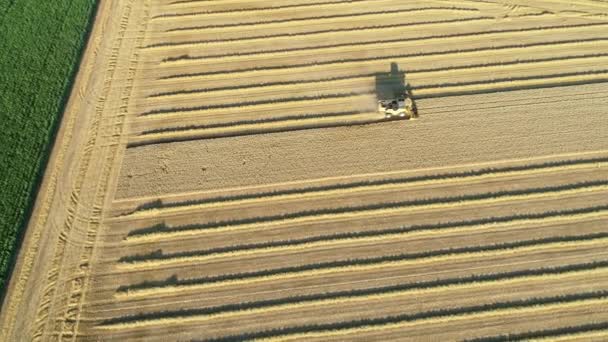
column 393, row 84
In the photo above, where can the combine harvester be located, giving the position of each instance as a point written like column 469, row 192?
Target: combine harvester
column 400, row 108
column 394, row 98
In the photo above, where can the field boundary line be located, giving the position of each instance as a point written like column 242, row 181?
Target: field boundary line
column 48, row 194
column 80, row 285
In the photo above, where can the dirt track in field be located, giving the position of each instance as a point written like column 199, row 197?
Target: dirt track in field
column 221, row 174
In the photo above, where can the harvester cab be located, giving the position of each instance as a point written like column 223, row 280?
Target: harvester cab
column 394, row 98
column 398, row 108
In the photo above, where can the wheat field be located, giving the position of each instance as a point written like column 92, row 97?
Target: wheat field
column 221, row 174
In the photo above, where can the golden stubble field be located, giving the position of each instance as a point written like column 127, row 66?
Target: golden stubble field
column 221, row 174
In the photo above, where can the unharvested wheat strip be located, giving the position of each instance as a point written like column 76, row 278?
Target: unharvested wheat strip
column 355, row 189
column 464, row 323
column 458, row 86
column 567, row 6
column 533, row 70
column 589, row 336
column 261, row 128
column 600, row 216
column 346, row 65
column 421, row 17
column 421, row 77
column 422, row 275
column 354, row 48
column 356, row 304
column 261, row 10
column 411, row 65
column 419, row 30
column 171, row 289
column 366, row 213
column 353, row 253
column 295, row 235
column 355, row 102
column 219, row 5
column 516, row 316
column 288, row 15
column 421, row 81
column 235, row 101
column 400, row 48
column 355, row 301
column 438, row 108
column 400, row 14
column 451, row 90
column 362, row 325
column 575, row 332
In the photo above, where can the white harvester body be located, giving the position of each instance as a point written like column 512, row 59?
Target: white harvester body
column 398, row 108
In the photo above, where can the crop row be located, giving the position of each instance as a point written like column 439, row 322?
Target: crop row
column 535, row 218
column 595, row 297
column 311, row 19
column 410, row 71
column 378, row 261
column 318, row 298
column 506, row 194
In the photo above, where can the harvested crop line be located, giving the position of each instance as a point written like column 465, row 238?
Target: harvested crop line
column 245, row 24
column 354, row 265
column 294, row 125
column 506, row 86
column 542, row 334
column 348, row 326
column 328, row 213
column 336, row 298
column 254, row 129
column 518, row 61
column 447, row 53
column 317, row 5
column 250, row 122
column 362, row 185
column 377, row 43
column 313, row 241
column 256, row 9
column 255, row 103
column 544, row 76
column 318, row 32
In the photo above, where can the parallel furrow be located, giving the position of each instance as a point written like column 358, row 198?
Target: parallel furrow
column 174, row 43
column 552, row 334
column 158, row 231
column 383, row 293
column 495, row 56
column 367, row 236
column 311, row 20
column 160, row 206
column 378, row 44
column 388, row 58
column 359, row 265
column 316, row 5
column 471, row 312
column 355, row 76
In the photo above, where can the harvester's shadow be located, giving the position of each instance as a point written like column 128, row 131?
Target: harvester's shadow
column 393, row 85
